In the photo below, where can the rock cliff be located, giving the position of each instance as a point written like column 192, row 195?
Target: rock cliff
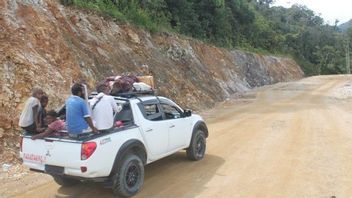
column 45, row 44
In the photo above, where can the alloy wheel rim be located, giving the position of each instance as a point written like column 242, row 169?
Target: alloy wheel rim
column 132, row 175
column 200, row 146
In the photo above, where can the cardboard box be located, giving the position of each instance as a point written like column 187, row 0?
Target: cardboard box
column 149, row 80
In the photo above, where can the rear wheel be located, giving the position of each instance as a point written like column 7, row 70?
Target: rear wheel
column 196, row 149
column 64, row 181
column 129, row 177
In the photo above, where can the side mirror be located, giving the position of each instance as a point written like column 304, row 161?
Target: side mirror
column 187, row 113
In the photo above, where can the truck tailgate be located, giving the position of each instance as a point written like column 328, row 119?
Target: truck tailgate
column 40, row 154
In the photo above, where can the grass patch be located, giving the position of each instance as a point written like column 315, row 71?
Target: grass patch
column 107, row 8
column 132, row 14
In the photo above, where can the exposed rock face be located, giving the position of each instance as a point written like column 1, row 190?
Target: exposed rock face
column 45, row 44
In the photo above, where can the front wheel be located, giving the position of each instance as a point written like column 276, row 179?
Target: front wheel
column 196, row 149
column 129, row 177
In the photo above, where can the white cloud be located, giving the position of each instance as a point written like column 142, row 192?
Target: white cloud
column 328, row 10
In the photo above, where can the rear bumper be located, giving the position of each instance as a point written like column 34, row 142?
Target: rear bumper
column 67, row 171
column 94, row 179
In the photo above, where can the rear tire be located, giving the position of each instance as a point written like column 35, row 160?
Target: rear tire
column 129, row 176
column 65, row 181
column 196, row 149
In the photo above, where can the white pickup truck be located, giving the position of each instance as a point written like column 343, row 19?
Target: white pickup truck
column 150, row 128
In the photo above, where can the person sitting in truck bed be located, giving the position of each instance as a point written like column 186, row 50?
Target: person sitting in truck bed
column 42, row 111
column 103, row 108
column 54, row 125
column 78, row 118
column 29, row 117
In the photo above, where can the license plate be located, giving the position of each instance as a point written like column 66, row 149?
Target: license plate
column 57, row 170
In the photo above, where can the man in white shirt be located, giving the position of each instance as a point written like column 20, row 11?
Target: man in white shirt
column 103, row 108
column 29, row 117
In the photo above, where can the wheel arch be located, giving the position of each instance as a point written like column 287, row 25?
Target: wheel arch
column 131, row 146
column 201, row 125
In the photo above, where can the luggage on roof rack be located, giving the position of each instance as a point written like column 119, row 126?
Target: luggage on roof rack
column 129, row 83
column 149, row 80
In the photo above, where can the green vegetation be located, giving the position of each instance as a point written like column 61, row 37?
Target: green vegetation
column 243, row 24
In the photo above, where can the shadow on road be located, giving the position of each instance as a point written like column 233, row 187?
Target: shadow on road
column 173, row 176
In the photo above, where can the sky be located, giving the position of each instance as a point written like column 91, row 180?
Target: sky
column 329, row 10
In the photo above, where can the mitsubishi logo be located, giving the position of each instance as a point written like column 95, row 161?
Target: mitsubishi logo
column 48, row 153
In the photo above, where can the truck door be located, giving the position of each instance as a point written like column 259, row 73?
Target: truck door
column 155, row 130
column 178, row 127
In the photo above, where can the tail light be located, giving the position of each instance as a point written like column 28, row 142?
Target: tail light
column 21, row 143
column 87, row 150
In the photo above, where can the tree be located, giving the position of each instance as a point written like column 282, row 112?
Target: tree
column 250, row 24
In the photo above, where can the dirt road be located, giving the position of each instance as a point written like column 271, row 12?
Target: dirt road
column 287, row 140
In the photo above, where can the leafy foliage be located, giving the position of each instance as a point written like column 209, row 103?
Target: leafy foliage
column 246, row 24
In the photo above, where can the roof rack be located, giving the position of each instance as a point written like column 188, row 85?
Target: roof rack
column 132, row 94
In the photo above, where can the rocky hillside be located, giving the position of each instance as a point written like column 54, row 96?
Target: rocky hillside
column 43, row 43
